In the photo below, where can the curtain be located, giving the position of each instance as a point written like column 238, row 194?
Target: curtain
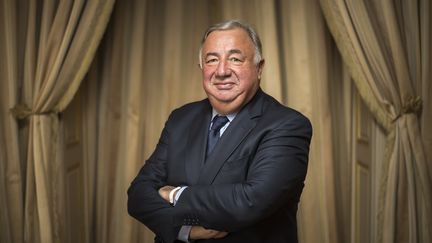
column 48, row 47
column 11, row 173
column 386, row 46
column 307, row 50
column 147, row 66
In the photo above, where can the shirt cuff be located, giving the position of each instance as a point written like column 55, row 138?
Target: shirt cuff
column 184, row 232
column 179, row 192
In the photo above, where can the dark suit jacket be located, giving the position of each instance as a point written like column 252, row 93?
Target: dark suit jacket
column 249, row 186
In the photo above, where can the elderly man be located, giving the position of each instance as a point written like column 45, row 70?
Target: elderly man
column 229, row 168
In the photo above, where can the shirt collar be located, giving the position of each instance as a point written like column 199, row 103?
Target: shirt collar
column 229, row 116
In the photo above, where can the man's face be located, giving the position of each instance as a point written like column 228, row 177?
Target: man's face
column 230, row 76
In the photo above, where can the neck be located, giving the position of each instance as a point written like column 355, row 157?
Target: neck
column 225, row 109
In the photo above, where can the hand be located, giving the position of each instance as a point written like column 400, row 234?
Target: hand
column 200, row 233
column 164, row 192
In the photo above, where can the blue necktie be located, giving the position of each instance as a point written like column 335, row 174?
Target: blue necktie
column 214, row 133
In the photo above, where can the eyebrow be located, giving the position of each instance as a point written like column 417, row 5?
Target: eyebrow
column 211, row 54
column 233, row 51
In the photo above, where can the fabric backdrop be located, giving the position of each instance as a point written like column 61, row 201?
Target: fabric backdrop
column 386, row 45
column 46, row 48
column 147, row 64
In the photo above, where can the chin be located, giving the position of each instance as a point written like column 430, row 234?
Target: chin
column 225, row 97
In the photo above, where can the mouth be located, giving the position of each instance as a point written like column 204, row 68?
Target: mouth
column 224, row 85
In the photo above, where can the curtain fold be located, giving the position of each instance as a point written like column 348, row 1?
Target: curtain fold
column 58, row 45
column 307, row 49
column 380, row 43
column 11, row 169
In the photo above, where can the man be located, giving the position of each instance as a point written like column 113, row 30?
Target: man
column 229, row 168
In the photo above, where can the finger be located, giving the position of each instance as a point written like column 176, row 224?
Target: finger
column 196, row 233
column 164, row 192
column 199, row 232
column 220, row 234
column 166, row 188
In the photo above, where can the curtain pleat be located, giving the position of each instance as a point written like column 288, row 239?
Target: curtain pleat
column 307, row 49
column 375, row 40
column 11, row 173
column 57, row 48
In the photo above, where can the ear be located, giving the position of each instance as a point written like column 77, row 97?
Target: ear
column 260, row 67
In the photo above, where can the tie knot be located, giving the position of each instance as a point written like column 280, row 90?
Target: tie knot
column 218, row 123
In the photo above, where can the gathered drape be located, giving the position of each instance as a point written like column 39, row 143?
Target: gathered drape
column 49, row 47
column 385, row 45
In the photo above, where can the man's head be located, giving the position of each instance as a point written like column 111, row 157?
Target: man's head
column 231, row 63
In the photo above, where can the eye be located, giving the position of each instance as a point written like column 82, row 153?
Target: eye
column 211, row 60
column 235, row 60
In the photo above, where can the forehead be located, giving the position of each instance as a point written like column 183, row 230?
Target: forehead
column 227, row 40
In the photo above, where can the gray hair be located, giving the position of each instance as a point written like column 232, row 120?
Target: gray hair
column 233, row 24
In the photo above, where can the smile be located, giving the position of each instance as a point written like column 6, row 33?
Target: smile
column 224, row 86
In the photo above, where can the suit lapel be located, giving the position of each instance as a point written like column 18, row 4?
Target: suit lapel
column 196, row 142
column 241, row 126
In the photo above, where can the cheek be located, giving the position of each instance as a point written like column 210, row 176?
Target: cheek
column 207, row 73
column 247, row 78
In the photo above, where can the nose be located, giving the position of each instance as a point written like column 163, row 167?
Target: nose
column 223, row 69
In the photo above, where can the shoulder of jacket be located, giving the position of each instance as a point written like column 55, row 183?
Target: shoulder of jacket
column 193, row 106
column 284, row 112
column 189, row 109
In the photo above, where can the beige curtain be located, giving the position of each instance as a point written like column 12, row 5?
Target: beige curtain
column 386, row 45
column 307, row 71
column 11, row 174
column 147, row 66
column 48, row 47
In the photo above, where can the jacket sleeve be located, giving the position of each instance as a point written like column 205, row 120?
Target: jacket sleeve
column 144, row 202
column 275, row 178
